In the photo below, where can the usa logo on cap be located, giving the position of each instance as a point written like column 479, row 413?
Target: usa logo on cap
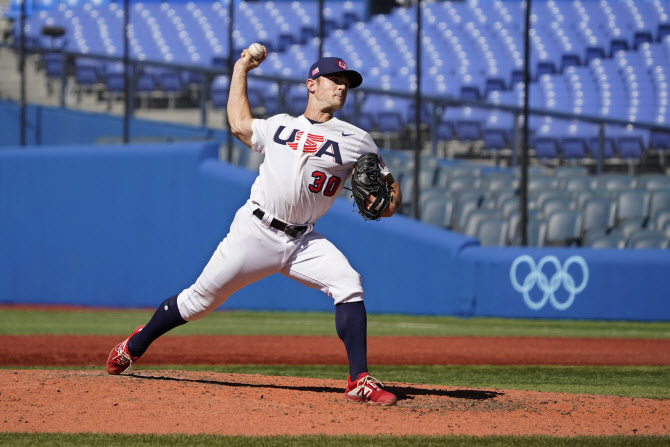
column 342, row 65
column 315, row 71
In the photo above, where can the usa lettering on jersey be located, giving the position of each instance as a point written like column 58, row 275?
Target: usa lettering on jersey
column 315, row 144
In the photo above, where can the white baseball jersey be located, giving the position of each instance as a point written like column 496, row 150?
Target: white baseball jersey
column 306, row 164
column 305, row 167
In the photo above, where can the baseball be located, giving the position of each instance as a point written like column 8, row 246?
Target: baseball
column 256, row 50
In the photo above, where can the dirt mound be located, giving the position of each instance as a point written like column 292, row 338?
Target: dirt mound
column 234, row 404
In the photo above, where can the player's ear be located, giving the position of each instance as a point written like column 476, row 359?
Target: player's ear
column 311, row 85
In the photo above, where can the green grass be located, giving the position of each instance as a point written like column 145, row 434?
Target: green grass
column 115, row 440
column 630, row 381
column 635, row 381
column 112, row 322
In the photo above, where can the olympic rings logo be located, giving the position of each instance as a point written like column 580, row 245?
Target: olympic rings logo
column 549, row 286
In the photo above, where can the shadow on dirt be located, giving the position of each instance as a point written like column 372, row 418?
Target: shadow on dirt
column 410, row 392
column 402, row 392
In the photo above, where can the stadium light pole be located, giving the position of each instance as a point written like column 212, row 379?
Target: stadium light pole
column 22, row 71
column 321, row 31
column 417, row 116
column 231, row 25
column 126, row 72
column 523, row 182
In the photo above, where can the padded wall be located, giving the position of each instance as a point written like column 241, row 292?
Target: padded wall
column 574, row 283
column 127, row 226
column 130, row 225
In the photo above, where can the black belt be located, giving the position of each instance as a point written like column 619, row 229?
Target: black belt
column 289, row 230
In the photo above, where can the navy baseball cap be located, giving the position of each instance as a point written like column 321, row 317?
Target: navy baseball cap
column 330, row 65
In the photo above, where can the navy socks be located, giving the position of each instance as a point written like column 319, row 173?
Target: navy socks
column 166, row 318
column 351, row 326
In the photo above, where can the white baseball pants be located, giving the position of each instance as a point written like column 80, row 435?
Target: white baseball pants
column 253, row 250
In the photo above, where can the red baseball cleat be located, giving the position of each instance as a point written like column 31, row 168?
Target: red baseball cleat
column 368, row 389
column 120, row 360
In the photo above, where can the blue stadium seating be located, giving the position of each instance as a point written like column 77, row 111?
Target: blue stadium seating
column 219, row 92
column 610, row 59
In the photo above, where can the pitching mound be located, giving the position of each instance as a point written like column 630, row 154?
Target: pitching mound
column 233, row 404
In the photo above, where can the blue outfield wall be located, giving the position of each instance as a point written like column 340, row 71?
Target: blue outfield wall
column 127, row 226
column 573, row 283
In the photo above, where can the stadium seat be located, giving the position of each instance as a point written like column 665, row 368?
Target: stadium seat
column 468, row 130
column 437, row 211
column 86, row 71
column 630, row 226
column 389, row 121
column 542, row 181
column 618, row 45
column 547, row 149
column 598, row 213
column 219, row 92
column 497, row 139
column 632, row 204
column 536, row 231
column 170, row 83
column 509, row 206
column 114, row 77
column 470, row 92
column 492, row 232
column 476, row 217
column 54, row 64
column 641, row 37
column 653, row 182
column 569, row 60
column 501, row 180
column 581, row 197
column 445, row 174
column 575, row 183
column 570, row 171
column 563, row 228
column 574, row 148
column 465, row 203
column 662, row 31
column 661, row 221
column 608, row 147
column 545, row 68
column 615, row 182
column 535, row 228
column 501, row 195
column 605, row 241
column 493, row 85
column 553, row 204
column 660, row 201
column 648, row 239
column 659, row 141
column 296, row 99
column 630, row 147
column 593, row 52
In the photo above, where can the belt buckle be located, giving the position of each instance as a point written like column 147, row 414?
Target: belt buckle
column 293, row 231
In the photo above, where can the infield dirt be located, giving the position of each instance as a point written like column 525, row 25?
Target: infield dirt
column 236, row 404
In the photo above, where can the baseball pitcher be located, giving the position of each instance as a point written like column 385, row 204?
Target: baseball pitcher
column 307, row 160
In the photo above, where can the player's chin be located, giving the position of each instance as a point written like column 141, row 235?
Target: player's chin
column 339, row 102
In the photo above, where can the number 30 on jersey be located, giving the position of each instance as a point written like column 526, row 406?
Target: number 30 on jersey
column 322, row 182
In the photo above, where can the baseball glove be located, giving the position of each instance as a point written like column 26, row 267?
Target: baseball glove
column 366, row 180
